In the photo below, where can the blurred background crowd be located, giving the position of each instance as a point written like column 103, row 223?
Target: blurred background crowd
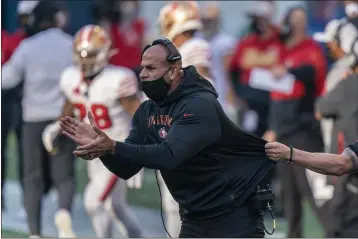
column 310, row 46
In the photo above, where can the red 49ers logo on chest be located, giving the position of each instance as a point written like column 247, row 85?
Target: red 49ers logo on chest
column 162, row 133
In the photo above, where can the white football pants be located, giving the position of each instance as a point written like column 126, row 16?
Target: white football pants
column 105, row 202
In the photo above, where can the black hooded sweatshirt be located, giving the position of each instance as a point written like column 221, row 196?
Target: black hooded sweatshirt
column 210, row 166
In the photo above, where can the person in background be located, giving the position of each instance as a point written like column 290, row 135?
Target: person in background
column 332, row 37
column 340, row 36
column 126, row 29
column 38, row 62
column 351, row 10
column 24, row 11
column 260, row 49
column 341, row 103
column 222, row 46
column 292, row 119
column 83, row 85
column 337, row 110
column 11, row 98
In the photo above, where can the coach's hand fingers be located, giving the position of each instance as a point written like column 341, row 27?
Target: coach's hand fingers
column 91, row 118
column 88, row 157
column 68, row 124
column 68, row 129
column 271, row 151
column 70, row 136
column 89, row 146
column 98, row 131
column 271, row 145
column 273, row 157
column 81, row 153
column 72, row 120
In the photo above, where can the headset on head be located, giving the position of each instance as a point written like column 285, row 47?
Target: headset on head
column 174, row 54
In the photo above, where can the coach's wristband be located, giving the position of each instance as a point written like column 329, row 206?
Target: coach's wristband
column 291, row 153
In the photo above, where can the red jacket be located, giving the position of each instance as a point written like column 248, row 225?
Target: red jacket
column 128, row 44
column 308, row 52
column 10, row 43
column 269, row 46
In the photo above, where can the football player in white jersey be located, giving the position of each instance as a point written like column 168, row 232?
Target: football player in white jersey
column 179, row 22
column 111, row 94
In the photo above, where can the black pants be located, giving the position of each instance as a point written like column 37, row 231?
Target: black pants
column 41, row 171
column 11, row 119
column 229, row 225
column 295, row 186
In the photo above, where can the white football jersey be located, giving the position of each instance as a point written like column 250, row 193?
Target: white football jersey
column 101, row 97
column 195, row 51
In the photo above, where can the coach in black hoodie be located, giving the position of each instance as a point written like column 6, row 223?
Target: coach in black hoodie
column 211, row 166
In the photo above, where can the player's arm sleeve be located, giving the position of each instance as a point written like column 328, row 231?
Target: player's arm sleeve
column 122, row 168
column 64, row 86
column 196, row 128
column 13, row 70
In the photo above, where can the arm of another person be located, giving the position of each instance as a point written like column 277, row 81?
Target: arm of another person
column 330, row 164
column 13, row 70
column 196, row 128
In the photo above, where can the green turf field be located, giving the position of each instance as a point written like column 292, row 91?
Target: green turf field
column 148, row 196
column 12, row 234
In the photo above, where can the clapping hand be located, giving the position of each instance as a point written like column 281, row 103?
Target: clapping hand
column 93, row 141
column 78, row 131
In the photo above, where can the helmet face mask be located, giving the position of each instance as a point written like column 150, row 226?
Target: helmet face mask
column 91, row 49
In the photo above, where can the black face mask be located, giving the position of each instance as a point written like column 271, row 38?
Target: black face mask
column 156, row 90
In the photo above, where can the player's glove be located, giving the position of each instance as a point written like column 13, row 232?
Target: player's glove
column 49, row 136
column 136, row 180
